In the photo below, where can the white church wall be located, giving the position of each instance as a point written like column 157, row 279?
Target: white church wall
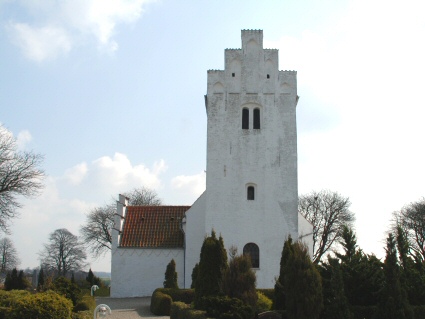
column 194, row 236
column 138, row 272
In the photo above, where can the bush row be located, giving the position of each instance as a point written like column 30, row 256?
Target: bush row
column 160, row 303
column 180, row 310
column 22, row 304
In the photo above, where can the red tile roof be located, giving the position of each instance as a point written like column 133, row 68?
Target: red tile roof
column 153, row 227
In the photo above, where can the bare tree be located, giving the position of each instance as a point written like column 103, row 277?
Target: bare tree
column 328, row 212
column 63, row 253
column 96, row 233
column 411, row 219
column 143, row 197
column 20, row 175
column 8, row 254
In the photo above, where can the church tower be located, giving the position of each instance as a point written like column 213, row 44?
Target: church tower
column 251, row 195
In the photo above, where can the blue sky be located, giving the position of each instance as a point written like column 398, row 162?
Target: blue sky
column 111, row 92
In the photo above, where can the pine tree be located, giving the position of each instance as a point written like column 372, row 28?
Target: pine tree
column 90, row 277
column 239, row 280
column 336, row 305
column 279, row 289
column 302, row 284
column 212, row 264
column 40, row 284
column 171, row 275
column 195, row 272
column 393, row 303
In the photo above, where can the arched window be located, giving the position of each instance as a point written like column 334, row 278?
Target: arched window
column 250, row 193
column 245, row 118
column 253, row 252
column 257, row 118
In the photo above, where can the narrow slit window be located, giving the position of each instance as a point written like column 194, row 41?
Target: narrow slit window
column 250, row 193
column 257, row 119
column 245, row 119
column 233, row 75
column 268, row 76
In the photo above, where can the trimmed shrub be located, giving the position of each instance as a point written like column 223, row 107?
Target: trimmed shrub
column 183, row 295
column 263, row 302
column 45, row 305
column 227, row 308
column 364, row 312
column 160, row 303
column 171, row 275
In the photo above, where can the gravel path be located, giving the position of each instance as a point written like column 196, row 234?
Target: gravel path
column 128, row 308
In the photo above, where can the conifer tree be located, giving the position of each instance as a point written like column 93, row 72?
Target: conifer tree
column 90, row 277
column 335, row 305
column 393, row 303
column 279, row 289
column 40, row 284
column 302, row 285
column 212, row 264
column 195, row 272
column 171, row 275
column 239, row 280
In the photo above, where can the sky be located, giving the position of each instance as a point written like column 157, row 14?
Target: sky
column 111, row 92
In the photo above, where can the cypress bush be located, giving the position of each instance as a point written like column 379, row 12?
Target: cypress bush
column 171, row 276
column 212, row 264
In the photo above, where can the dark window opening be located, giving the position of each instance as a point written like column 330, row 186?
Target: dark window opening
column 268, row 76
column 257, row 119
column 253, row 252
column 233, row 75
column 245, row 119
column 250, row 193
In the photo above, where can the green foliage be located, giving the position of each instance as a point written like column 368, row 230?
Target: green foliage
column 212, row 264
column 393, row 300
column 227, row 308
column 419, row 311
column 92, row 279
column 302, row 285
column 69, row 290
column 86, row 303
column 160, row 303
column 279, row 290
column 195, row 272
column 239, row 280
column 183, row 295
column 40, row 284
column 180, row 310
column 335, row 302
column 46, row 305
column 263, row 303
column 171, row 276
column 14, row 281
column 362, row 312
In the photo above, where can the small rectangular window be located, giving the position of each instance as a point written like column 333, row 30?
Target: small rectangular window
column 268, row 76
column 257, row 119
column 233, row 75
column 245, row 119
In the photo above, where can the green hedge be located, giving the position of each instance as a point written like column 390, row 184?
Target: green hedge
column 46, row 305
column 160, row 303
column 419, row 311
column 183, row 295
column 180, row 310
column 226, row 308
column 269, row 293
column 87, row 303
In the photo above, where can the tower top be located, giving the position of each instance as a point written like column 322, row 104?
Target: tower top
column 251, row 36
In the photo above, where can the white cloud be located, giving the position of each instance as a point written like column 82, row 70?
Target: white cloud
column 23, row 138
column 60, row 26
column 192, row 184
column 76, row 174
column 39, row 44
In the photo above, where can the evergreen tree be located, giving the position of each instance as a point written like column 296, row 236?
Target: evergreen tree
column 212, row 264
column 279, row 289
column 171, row 275
column 393, row 303
column 8, row 282
column 40, row 284
column 335, row 302
column 239, row 280
column 302, row 285
column 90, row 277
column 195, row 272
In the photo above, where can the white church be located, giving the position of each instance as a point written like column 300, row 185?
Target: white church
column 251, row 195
